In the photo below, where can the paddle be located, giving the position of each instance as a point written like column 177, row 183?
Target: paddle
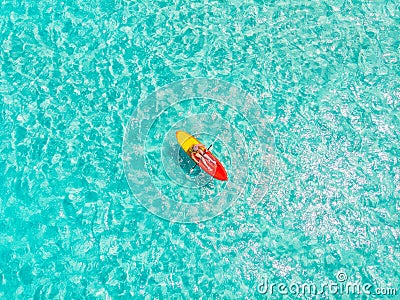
column 191, row 170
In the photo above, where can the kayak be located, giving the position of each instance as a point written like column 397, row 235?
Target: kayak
column 214, row 169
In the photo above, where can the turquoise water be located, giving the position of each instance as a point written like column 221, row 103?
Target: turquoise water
column 73, row 74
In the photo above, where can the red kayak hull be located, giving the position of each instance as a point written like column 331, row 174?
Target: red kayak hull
column 218, row 172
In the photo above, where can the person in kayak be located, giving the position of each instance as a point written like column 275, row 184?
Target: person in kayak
column 200, row 154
